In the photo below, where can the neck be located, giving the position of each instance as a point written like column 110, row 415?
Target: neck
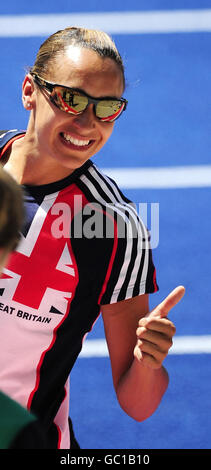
column 27, row 165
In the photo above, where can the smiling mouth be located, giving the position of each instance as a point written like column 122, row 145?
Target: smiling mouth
column 75, row 142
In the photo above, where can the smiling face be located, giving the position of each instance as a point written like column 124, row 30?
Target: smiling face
column 64, row 139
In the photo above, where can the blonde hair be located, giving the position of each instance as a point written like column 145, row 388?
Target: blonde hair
column 57, row 43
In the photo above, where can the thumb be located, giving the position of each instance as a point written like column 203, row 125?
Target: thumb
column 168, row 303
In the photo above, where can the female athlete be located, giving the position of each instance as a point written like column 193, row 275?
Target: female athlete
column 83, row 249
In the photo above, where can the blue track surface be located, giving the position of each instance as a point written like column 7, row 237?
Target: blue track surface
column 169, row 76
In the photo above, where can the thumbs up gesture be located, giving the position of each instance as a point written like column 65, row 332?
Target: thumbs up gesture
column 155, row 331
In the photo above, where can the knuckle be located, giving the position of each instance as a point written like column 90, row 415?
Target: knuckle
column 143, row 322
column 174, row 329
column 140, row 331
column 170, row 342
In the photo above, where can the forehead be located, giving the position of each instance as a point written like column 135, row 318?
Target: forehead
column 83, row 68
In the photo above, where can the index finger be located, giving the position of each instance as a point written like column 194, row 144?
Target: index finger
column 169, row 302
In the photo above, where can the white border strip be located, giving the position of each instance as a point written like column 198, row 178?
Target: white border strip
column 166, row 177
column 127, row 22
column 181, row 345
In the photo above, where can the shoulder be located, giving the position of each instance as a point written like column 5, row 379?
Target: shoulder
column 105, row 193
column 102, row 187
column 6, row 136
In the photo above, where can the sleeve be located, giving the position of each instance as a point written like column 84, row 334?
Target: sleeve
column 6, row 137
column 131, row 271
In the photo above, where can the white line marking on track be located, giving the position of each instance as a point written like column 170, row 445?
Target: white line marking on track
column 125, row 22
column 162, row 177
column 181, row 345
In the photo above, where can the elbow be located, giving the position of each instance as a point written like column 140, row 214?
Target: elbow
column 140, row 413
column 141, row 406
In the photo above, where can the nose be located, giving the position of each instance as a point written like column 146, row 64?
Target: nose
column 86, row 119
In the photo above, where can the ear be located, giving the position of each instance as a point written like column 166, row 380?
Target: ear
column 28, row 92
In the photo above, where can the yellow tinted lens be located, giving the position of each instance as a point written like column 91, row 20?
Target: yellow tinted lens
column 108, row 108
column 79, row 102
column 69, row 100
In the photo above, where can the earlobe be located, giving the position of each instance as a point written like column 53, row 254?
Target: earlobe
column 27, row 92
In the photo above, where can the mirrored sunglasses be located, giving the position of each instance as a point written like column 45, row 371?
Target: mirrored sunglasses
column 74, row 101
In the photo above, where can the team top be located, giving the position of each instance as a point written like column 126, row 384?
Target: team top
column 82, row 245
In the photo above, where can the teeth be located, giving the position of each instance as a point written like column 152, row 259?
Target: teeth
column 79, row 143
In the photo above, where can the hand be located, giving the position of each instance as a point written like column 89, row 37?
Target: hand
column 155, row 332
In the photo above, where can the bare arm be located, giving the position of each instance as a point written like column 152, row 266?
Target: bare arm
column 138, row 342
